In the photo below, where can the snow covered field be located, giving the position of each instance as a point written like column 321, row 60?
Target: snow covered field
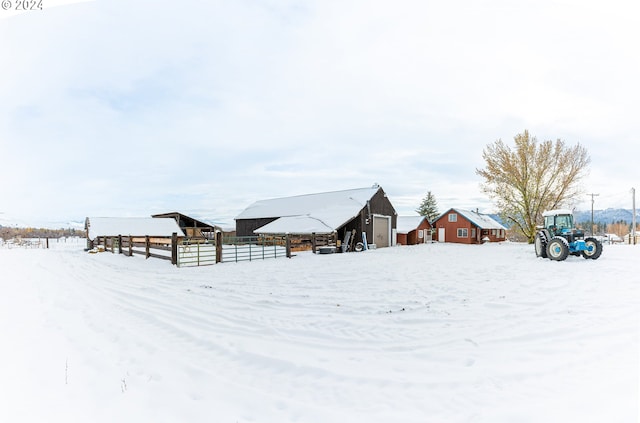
column 427, row 333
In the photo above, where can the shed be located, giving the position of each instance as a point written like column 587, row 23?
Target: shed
column 190, row 226
column 135, row 226
column 363, row 210
column 468, row 227
column 413, row 230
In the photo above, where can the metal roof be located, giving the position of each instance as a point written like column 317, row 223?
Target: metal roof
column 328, row 210
column 483, row 221
column 406, row 224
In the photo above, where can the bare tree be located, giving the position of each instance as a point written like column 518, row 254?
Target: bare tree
column 532, row 178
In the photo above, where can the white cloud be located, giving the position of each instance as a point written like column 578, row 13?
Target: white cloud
column 211, row 106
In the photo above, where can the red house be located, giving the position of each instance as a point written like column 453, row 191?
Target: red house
column 413, row 230
column 467, row 227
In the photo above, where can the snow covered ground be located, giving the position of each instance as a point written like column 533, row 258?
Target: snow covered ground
column 427, row 333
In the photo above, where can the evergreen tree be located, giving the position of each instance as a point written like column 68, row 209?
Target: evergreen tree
column 428, row 207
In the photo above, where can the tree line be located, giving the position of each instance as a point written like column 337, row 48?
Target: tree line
column 7, row 232
column 620, row 227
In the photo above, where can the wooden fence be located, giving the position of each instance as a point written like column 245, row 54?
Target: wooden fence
column 196, row 251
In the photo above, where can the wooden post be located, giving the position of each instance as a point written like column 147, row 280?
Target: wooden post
column 119, row 244
column 174, row 248
column 47, row 242
column 218, row 238
column 288, row 245
column 147, row 246
column 130, row 246
column 313, row 242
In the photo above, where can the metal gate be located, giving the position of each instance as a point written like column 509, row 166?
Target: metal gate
column 247, row 248
column 196, row 253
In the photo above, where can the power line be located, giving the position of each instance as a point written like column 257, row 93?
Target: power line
column 592, row 201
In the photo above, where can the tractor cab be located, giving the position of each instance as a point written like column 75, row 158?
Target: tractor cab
column 560, row 222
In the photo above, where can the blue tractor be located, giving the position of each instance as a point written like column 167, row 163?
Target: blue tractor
column 558, row 238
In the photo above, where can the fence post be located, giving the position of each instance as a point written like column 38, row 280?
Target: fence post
column 147, row 246
column 174, row 248
column 47, row 242
column 313, row 242
column 288, row 245
column 130, row 246
column 218, row 238
column 119, row 244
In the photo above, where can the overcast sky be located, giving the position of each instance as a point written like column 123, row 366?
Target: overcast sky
column 120, row 108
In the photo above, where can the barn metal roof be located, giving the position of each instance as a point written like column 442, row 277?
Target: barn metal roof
column 320, row 212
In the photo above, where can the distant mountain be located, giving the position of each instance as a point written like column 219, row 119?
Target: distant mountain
column 606, row 216
column 599, row 216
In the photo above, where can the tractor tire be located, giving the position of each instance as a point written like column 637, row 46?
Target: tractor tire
column 541, row 245
column 595, row 252
column 557, row 248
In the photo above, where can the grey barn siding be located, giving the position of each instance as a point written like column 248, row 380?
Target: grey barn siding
column 245, row 227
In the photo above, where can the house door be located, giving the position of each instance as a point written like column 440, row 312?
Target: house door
column 440, row 234
column 381, row 231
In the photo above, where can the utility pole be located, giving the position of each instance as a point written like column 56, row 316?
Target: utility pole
column 633, row 218
column 592, row 201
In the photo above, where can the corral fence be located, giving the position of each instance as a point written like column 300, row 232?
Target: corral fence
column 42, row 243
column 196, row 251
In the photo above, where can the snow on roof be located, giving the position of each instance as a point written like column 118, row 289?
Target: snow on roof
column 113, row 226
column 330, row 209
column 406, row 224
column 483, row 221
column 295, row 225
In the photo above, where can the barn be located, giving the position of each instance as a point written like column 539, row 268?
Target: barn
column 413, row 230
column 365, row 212
column 467, row 227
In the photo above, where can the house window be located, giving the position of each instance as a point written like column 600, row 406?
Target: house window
column 463, row 233
column 473, row 232
column 453, row 217
column 493, row 232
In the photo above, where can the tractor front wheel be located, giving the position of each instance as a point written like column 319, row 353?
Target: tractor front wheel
column 594, row 248
column 541, row 245
column 557, row 249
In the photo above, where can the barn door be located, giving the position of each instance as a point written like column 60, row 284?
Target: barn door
column 381, row 231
